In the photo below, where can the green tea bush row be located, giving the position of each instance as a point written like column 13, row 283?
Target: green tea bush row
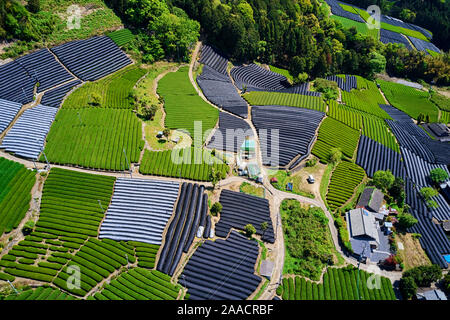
column 337, row 284
column 159, row 163
column 344, row 179
column 335, row 134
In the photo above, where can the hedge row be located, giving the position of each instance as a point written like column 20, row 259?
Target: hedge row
column 15, row 193
column 139, row 284
column 337, row 284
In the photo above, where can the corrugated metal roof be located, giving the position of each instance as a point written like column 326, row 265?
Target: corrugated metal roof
column 362, row 223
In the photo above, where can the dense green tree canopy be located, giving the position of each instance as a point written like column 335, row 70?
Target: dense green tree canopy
column 430, row 14
column 383, row 179
column 438, row 175
column 406, row 221
column 300, row 36
column 168, row 33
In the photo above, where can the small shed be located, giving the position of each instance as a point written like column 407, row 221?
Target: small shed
column 253, row 171
column 176, row 139
column 248, row 146
column 431, row 295
column 446, row 225
column 371, row 199
column 266, row 269
column 289, row 186
column 439, row 129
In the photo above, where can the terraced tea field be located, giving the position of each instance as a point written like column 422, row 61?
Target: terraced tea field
column 334, row 134
column 139, row 284
column 65, row 237
column 259, row 98
column 344, row 179
column 366, row 100
column 183, row 106
column 337, row 284
column 409, row 100
column 16, row 183
column 196, row 164
column 95, row 138
column 360, row 27
column 111, row 92
column 121, row 37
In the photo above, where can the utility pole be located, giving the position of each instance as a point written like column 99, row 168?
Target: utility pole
column 359, row 263
column 12, row 286
column 101, row 207
column 43, row 152
column 35, row 166
column 184, row 280
column 129, row 166
column 24, row 95
column 79, row 118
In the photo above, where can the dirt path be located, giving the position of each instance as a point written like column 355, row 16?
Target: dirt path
column 384, row 97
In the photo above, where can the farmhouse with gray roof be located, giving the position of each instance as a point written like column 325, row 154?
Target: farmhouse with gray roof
column 366, row 236
column 363, row 225
column 371, row 199
column 431, row 295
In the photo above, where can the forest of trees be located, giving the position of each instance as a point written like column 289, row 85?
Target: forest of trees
column 17, row 22
column 300, row 36
column 430, row 14
column 163, row 32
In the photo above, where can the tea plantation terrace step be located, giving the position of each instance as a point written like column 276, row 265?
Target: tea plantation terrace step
column 387, row 36
column 396, row 114
column 413, row 199
column 407, row 139
column 301, row 89
column 339, row 11
column 240, row 209
column 27, row 136
column 139, row 210
column 255, row 78
column 347, row 84
column 211, row 57
column 92, row 58
column 230, row 134
column 423, row 45
column 433, row 239
column 8, row 112
column 296, row 128
column 220, row 91
column 54, row 97
column 439, row 149
column 15, row 83
column 222, row 269
column 399, row 23
column 373, row 156
column 191, row 208
column 42, row 67
column 418, row 169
